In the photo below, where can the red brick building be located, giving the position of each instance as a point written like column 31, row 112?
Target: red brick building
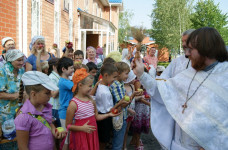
column 162, row 54
column 85, row 22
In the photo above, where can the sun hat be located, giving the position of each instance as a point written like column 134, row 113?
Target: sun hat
column 36, row 77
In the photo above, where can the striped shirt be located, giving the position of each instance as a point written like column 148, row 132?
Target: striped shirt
column 85, row 109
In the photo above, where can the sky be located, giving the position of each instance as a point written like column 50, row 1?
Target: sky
column 142, row 10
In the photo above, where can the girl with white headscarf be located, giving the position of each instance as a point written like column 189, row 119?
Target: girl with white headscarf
column 10, row 77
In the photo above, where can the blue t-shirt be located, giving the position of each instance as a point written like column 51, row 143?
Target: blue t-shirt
column 32, row 60
column 65, row 95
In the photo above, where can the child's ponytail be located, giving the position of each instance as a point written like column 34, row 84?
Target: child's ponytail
column 20, row 98
column 21, row 92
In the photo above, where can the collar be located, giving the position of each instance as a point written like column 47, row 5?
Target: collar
column 210, row 66
column 55, row 74
column 28, row 107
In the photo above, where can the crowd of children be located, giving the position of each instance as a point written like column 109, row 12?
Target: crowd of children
column 96, row 103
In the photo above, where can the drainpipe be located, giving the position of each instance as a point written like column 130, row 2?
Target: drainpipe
column 110, row 12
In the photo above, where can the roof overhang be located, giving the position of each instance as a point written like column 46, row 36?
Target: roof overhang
column 105, row 2
column 112, row 3
column 98, row 20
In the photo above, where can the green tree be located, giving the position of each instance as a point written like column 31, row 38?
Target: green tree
column 208, row 14
column 169, row 19
column 124, row 26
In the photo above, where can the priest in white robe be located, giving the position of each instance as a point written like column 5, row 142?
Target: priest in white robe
column 189, row 111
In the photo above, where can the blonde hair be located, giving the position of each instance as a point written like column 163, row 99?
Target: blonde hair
column 33, row 51
column 44, row 65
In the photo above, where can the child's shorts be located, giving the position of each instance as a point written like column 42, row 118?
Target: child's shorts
column 104, row 129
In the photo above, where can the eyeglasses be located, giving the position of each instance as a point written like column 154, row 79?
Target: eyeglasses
column 188, row 49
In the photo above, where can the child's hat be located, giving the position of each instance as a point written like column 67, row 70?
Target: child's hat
column 79, row 75
column 36, row 77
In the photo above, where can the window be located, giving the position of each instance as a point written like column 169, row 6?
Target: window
column 35, row 17
column 66, row 5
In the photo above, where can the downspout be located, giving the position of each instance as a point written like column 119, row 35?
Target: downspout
column 110, row 12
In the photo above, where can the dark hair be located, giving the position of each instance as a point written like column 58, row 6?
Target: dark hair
column 209, row 43
column 79, row 52
column 109, row 69
column 83, row 82
column 52, row 62
column 91, row 66
column 64, row 62
column 122, row 66
column 109, row 60
column 28, row 89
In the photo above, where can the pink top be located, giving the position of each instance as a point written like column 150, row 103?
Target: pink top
column 151, row 60
column 84, row 109
column 40, row 136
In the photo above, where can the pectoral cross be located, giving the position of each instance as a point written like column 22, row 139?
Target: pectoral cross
column 184, row 107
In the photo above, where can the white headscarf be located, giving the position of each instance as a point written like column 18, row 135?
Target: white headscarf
column 14, row 54
column 4, row 40
column 124, row 53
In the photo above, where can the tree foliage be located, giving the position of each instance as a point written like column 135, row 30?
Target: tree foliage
column 208, row 14
column 124, row 25
column 169, row 19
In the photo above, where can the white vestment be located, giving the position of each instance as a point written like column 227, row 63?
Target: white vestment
column 176, row 66
column 204, row 121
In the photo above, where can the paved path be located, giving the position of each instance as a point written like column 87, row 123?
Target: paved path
column 149, row 142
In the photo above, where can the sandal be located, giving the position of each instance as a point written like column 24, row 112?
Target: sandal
column 139, row 148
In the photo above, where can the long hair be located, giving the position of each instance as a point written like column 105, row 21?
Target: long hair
column 209, row 43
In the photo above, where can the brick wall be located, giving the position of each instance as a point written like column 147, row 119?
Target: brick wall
column 8, row 19
column 48, row 23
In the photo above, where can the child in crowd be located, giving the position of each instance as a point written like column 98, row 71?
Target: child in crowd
column 97, row 77
column 82, row 108
column 104, row 102
column 65, row 69
column 78, row 58
column 141, row 122
column 92, row 68
column 34, row 126
column 129, row 87
column 118, row 93
column 44, row 67
column 41, row 66
column 54, row 101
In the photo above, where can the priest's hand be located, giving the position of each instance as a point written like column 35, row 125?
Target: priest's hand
column 139, row 67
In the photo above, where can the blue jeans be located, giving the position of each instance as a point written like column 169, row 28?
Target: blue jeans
column 118, row 137
column 56, row 115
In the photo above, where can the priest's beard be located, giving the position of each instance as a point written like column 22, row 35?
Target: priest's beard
column 198, row 63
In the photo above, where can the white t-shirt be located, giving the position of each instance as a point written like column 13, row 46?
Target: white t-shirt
column 103, row 99
column 97, row 61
